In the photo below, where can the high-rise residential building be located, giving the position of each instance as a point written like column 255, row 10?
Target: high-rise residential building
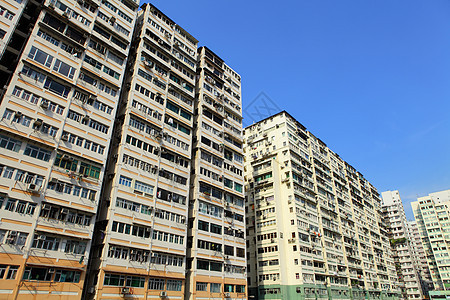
column 10, row 13
column 402, row 243
column 216, row 255
column 141, row 232
column 432, row 214
column 17, row 20
column 420, row 258
column 92, row 136
column 55, row 130
column 314, row 224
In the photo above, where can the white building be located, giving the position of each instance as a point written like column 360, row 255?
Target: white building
column 402, row 243
column 314, row 227
column 141, row 238
column 57, row 117
column 216, row 243
column 432, row 214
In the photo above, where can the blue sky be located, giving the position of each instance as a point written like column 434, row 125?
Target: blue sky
column 370, row 78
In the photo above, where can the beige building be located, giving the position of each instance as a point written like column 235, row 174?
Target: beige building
column 216, row 255
column 401, row 239
column 17, row 20
column 314, row 224
column 10, row 13
column 140, row 245
column 91, row 138
column 56, row 125
column 420, row 258
column 432, row 214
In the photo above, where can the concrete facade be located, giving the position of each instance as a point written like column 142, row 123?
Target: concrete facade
column 432, row 214
column 140, row 239
column 216, row 235
column 57, row 122
column 403, row 245
column 314, row 223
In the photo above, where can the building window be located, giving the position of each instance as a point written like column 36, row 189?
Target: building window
column 37, row 153
column 215, row 287
column 174, row 285
column 114, row 280
column 12, row 272
column 64, row 69
column 40, row 56
column 143, row 187
column 125, row 181
column 201, row 286
column 156, row 284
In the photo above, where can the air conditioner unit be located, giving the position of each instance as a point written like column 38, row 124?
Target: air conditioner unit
column 65, row 157
column 163, row 294
column 125, row 291
column 33, row 187
column 41, row 237
column 85, row 118
column 227, row 295
column 272, row 240
column 44, row 104
column 65, row 137
column 112, row 20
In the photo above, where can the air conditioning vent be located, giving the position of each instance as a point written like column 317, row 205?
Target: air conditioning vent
column 33, row 188
column 44, row 104
column 65, row 137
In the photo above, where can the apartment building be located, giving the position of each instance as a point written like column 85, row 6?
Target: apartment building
column 403, row 246
column 432, row 214
column 141, row 232
column 17, row 20
column 55, row 131
column 216, row 266
column 420, row 258
column 314, row 224
column 10, row 13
